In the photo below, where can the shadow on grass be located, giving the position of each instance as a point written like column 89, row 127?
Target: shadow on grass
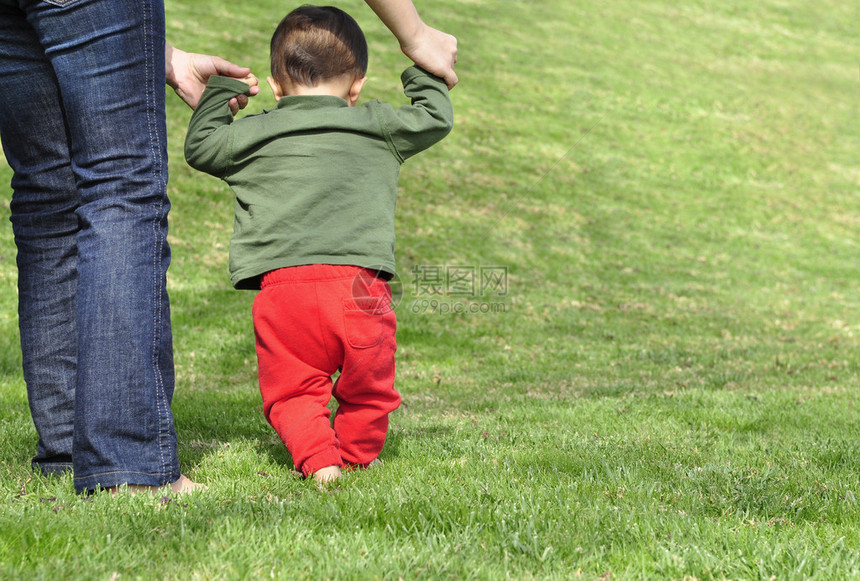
column 207, row 421
column 17, row 435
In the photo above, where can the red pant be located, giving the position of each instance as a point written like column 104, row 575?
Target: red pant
column 311, row 321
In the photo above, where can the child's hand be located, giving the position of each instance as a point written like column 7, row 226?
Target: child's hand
column 240, row 101
column 250, row 79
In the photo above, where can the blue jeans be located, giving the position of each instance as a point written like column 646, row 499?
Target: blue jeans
column 82, row 123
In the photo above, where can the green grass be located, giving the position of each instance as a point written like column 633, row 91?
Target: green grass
column 668, row 388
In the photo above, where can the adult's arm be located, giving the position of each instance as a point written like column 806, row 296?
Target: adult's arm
column 431, row 49
column 188, row 72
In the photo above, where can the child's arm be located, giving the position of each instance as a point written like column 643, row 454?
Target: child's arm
column 207, row 144
column 428, row 120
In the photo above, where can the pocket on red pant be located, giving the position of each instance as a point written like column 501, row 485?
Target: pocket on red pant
column 365, row 320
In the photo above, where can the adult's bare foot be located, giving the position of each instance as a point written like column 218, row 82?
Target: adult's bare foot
column 183, row 484
column 180, row 486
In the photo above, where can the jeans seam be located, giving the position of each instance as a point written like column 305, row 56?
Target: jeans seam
column 155, row 147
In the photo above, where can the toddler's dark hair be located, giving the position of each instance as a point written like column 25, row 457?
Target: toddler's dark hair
column 315, row 43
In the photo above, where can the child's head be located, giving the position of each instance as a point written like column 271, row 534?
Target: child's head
column 314, row 46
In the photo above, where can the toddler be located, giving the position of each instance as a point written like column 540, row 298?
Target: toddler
column 315, row 180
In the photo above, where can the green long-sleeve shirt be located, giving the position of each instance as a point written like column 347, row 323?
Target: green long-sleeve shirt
column 315, row 180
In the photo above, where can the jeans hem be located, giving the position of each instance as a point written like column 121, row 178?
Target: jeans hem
column 94, row 482
column 52, row 468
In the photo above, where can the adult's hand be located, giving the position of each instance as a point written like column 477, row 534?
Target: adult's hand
column 188, row 72
column 435, row 51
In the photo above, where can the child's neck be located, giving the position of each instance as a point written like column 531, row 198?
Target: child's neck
column 347, row 87
column 334, row 89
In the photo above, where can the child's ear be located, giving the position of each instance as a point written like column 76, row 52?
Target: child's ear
column 276, row 88
column 355, row 90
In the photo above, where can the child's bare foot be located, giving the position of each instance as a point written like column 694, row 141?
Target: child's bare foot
column 327, row 474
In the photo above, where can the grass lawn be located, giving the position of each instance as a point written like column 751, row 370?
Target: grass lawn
column 627, row 337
